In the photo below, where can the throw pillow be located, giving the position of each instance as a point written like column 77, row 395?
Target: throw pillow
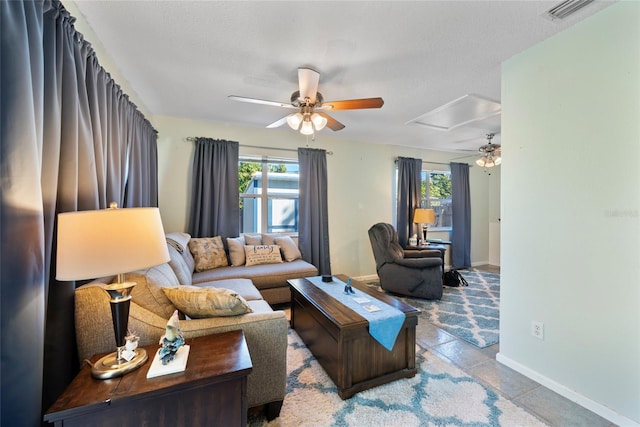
column 253, row 239
column 236, row 250
column 269, row 238
column 288, row 247
column 197, row 302
column 263, row 254
column 208, row 253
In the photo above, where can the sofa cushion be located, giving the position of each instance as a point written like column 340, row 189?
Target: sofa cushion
column 179, row 266
column 236, row 250
column 263, row 276
column 208, row 253
column 148, row 290
column 197, row 302
column 289, row 249
column 263, row 254
column 243, row 287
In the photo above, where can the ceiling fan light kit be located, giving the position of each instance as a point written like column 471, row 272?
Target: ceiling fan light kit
column 491, row 153
column 488, row 161
column 307, row 100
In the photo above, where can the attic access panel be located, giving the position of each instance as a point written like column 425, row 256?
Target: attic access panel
column 464, row 110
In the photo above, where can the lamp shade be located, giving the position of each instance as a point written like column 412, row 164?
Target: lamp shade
column 294, row 120
column 424, row 216
column 306, row 128
column 105, row 242
column 319, row 122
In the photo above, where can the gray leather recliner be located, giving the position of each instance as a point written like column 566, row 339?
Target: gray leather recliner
column 414, row 273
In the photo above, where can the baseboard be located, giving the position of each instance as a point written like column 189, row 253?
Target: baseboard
column 570, row 394
column 368, row 278
column 477, row 263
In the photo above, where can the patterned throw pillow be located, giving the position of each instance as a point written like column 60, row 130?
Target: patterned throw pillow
column 208, row 253
column 197, row 302
column 288, row 247
column 264, row 254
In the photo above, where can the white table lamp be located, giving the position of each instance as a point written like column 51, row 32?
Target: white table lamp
column 93, row 244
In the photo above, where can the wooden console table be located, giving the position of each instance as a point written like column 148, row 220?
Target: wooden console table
column 211, row 391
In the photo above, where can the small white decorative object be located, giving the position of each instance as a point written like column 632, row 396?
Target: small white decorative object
column 130, row 346
column 413, row 240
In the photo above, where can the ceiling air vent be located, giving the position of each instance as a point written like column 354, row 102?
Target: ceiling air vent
column 566, row 8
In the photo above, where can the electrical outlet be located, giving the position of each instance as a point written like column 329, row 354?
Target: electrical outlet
column 537, row 329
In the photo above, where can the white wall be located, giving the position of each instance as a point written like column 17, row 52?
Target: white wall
column 570, row 192
column 361, row 180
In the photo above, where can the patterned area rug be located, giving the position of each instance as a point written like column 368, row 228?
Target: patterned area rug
column 439, row 395
column 471, row 313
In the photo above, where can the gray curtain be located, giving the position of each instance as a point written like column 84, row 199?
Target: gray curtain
column 215, row 204
column 65, row 132
column 408, row 197
column 461, row 216
column 313, row 230
column 142, row 180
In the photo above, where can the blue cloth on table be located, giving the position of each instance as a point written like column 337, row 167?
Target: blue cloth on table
column 384, row 325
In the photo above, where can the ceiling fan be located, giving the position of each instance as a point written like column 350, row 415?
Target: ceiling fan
column 491, row 153
column 311, row 106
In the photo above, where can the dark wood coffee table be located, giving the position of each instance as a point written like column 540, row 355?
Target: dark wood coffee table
column 339, row 338
column 211, row 391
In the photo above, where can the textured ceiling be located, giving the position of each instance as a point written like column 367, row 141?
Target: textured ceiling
column 183, row 58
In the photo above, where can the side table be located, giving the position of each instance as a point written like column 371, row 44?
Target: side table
column 437, row 247
column 440, row 246
column 211, row 391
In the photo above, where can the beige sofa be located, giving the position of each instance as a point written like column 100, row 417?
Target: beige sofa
column 265, row 329
column 270, row 279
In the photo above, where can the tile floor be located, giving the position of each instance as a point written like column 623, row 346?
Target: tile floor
column 481, row 364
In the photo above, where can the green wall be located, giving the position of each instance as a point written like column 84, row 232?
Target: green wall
column 570, row 192
column 361, row 180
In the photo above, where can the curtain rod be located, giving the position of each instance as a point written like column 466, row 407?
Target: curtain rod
column 438, row 163
column 446, row 164
column 330, row 153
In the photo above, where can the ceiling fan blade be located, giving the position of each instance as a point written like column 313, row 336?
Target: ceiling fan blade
column 308, row 80
column 279, row 122
column 353, row 104
column 332, row 123
column 260, row 101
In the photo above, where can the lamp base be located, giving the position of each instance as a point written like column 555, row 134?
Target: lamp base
column 109, row 366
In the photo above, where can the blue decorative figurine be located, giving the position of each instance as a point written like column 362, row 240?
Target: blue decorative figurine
column 347, row 288
column 172, row 339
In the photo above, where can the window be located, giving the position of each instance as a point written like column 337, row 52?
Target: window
column 438, row 196
column 268, row 195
